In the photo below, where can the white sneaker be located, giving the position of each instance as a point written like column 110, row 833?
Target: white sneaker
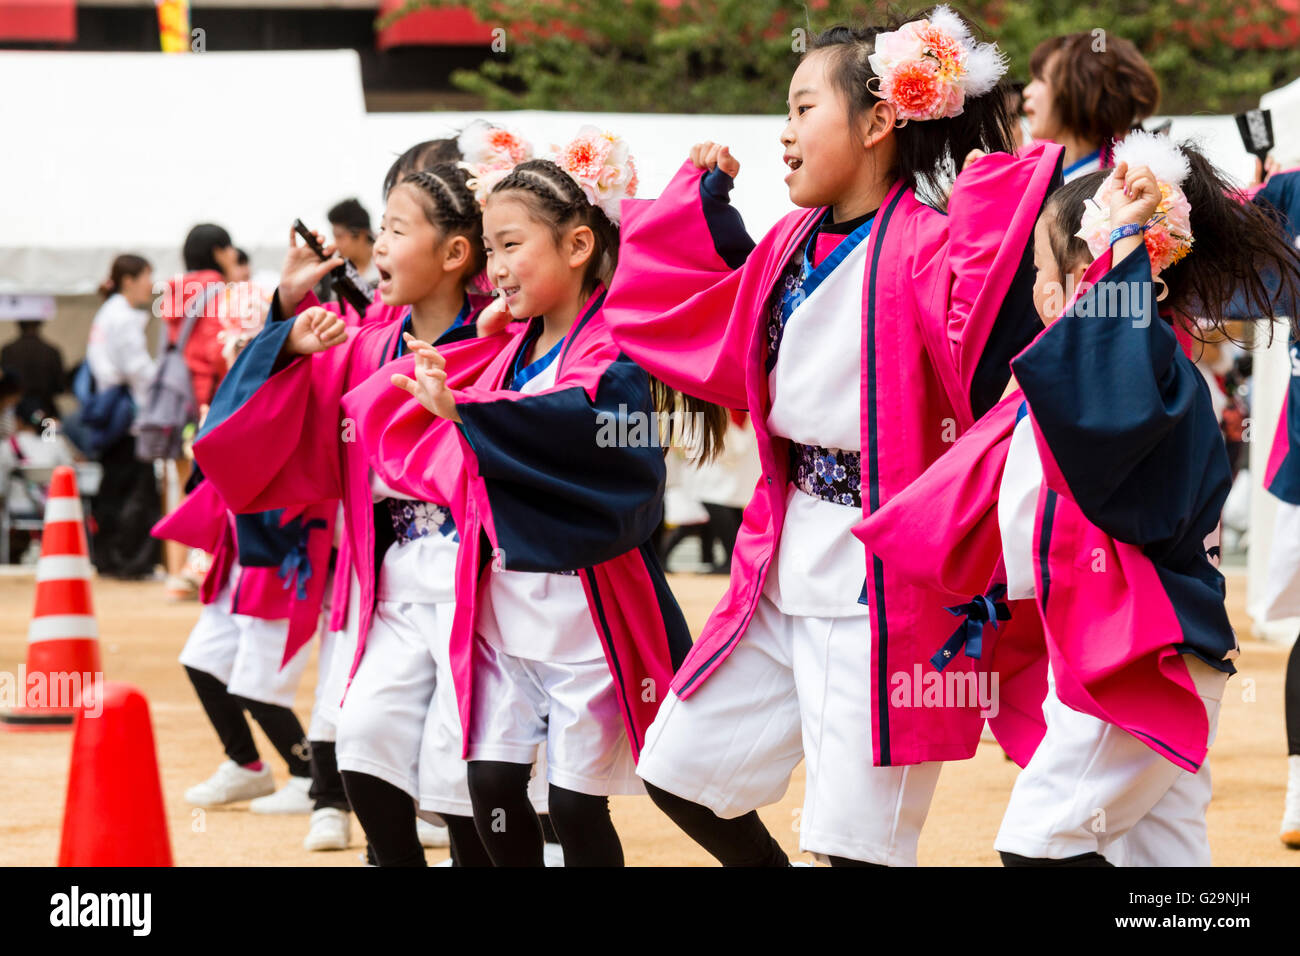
column 231, row 784
column 331, row 829
column 552, row 854
column 291, row 798
column 1291, row 816
column 431, row 835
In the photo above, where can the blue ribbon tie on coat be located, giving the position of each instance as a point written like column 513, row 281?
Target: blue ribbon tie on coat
column 296, row 563
column 980, row 610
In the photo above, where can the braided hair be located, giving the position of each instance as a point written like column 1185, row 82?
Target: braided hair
column 553, row 198
column 450, row 207
column 421, row 156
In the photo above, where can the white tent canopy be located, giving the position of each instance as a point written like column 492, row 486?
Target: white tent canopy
column 112, row 153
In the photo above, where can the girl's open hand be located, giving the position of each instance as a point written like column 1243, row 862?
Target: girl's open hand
column 1136, row 196
column 494, row 318
column 429, row 387
column 302, row 269
column 315, row 330
column 712, row 155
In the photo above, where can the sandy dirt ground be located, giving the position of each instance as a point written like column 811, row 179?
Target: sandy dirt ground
column 141, row 635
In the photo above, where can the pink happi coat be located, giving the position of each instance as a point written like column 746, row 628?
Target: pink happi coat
column 204, row 521
column 531, row 488
column 378, row 312
column 277, row 437
column 945, row 305
column 1128, row 439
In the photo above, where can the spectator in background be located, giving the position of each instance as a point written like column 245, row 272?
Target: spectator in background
column 35, row 443
column 128, row 502
column 211, row 260
column 243, row 269
column 353, row 238
column 11, row 392
column 38, row 364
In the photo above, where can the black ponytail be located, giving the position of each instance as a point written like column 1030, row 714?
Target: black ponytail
column 1241, row 262
column 1240, row 252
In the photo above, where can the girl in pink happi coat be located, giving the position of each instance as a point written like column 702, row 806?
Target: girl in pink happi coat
column 864, row 333
column 1089, row 498
column 397, row 747
column 566, row 634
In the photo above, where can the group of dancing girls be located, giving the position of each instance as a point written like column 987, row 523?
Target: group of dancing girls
column 504, row 599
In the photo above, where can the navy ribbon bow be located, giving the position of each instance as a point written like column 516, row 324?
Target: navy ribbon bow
column 980, row 610
column 296, row 563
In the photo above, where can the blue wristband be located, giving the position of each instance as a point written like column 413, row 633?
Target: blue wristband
column 1132, row 229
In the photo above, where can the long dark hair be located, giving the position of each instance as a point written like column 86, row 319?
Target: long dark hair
column 199, row 251
column 1239, row 249
column 929, row 152
column 450, row 207
column 124, row 267
column 555, row 199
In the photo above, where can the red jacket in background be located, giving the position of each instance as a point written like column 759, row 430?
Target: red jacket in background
column 203, row 351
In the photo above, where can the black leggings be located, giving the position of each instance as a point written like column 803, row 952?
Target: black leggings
column 226, row 712
column 742, row 841
column 509, row 828
column 326, row 784
column 1083, row 859
column 1293, row 700
column 387, row 815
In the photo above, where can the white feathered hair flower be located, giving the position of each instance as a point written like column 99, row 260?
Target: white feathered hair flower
column 601, row 163
column 488, row 154
column 928, row 68
column 1168, row 233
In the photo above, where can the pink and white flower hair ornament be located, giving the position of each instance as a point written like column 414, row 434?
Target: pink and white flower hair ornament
column 1168, row 233
column 489, row 154
column 601, row 164
column 929, row 68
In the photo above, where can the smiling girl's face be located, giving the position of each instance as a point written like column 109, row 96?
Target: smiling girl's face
column 407, row 249
column 820, row 148
column 535, row 271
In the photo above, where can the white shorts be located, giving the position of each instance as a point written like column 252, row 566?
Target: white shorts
column 245, row 653
column 572, row 709
column 400, row 721
column 793, row 688
column 1094, row 788
column 333, row 664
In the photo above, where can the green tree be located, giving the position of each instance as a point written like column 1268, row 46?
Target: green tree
column 736, row 56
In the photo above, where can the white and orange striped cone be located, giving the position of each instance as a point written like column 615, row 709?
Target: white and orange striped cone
column 63, row 670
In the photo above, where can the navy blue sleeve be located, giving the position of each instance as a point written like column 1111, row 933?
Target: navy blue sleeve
column 259, row 360
column 572, row 483
column 261, row 541
column 730, row 238
column 1127, row 417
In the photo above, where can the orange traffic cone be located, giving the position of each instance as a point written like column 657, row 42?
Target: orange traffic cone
column 114, row 812
column 63, row 665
